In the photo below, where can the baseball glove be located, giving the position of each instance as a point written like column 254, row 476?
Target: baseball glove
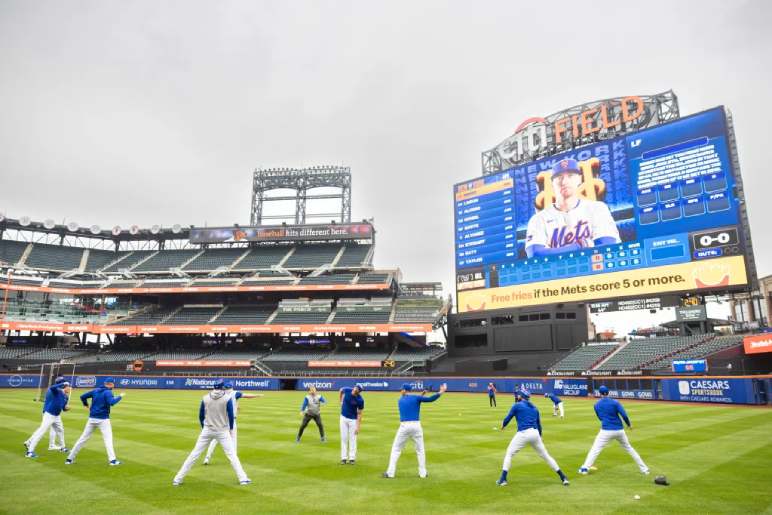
column 661, row 480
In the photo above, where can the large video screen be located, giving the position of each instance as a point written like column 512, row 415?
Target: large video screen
column 646, row 213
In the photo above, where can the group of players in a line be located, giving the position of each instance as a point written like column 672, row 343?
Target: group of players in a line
column 219, row 408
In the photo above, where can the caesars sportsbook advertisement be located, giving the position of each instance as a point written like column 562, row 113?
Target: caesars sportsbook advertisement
column 645, row 213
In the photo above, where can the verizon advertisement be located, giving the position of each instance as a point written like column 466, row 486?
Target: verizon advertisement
column 283, row 233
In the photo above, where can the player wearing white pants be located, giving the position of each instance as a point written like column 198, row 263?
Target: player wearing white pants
column 609, row 412
column 528, row 433
column 557, row 404
column 56, row 438
column 216, row 415
column 102, row 400
column 351, row 406
column 410, row 429
column 55, row 403
column 234, row 396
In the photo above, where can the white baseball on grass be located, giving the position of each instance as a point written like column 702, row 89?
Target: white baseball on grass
column 637, row 497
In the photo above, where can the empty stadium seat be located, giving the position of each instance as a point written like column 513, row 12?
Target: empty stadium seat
column 54, row 257
column 128, row 259
column 354, row 256
column 212, row 259
column 11, row 251
column 310, row 257
column 262, row 258
column 584, row 357
column 166, row 259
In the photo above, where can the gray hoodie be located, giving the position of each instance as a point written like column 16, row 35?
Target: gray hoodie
column 216, row 412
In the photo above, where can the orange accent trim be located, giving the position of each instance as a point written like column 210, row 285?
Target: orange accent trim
column 199, row 289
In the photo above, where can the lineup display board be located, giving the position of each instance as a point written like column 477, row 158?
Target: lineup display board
column 647, row 213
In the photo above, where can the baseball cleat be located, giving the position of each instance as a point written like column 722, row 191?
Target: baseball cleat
column 206, row 462
column 64, row 449
column 566, row 482
column 245, row 482
column 26, row 446
column 68, row 461
column 501, row 482
column 31, row 455
column 114, row 463
column 343, row 462
column 324, row 439
column 176, row 483
column 583, row 471
column 351, row 462
column 424, row 476
column 646, row 473
column 386, row 475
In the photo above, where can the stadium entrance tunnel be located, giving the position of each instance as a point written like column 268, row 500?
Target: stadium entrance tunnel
column 288, row 384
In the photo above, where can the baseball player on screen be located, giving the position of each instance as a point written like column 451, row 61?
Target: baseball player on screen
column 611, row 413
column 571, row 222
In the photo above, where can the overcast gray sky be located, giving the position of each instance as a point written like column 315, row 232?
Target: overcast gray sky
column 121, row 112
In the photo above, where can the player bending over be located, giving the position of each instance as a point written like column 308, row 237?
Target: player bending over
column 410, row 427
column 102, row 400
column 234, row 396
column 312, row 410
column 528, row 432
column 609, row 412
column 351, row 406
column 571, row 223
column 557, row 404
column 216, row 415
column 55, row 403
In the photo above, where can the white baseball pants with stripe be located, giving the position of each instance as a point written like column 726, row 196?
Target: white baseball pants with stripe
column 52, row 422
column 348, row 438
column 528, row 437
column 213, row 443
column 107, row 435
column 408, row 431
column 224, row 439
column 558, row 408
column 603, row 439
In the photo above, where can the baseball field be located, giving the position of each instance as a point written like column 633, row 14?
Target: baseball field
column 717, row 459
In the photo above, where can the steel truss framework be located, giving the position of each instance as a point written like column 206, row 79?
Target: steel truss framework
column 659, row 108
column 302, row 180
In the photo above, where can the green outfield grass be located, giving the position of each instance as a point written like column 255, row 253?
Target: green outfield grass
column 718, row 459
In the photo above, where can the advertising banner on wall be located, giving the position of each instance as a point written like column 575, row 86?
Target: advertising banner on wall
column 718, row 390
column 310, row 232
column 150, row 382
column 758, row 343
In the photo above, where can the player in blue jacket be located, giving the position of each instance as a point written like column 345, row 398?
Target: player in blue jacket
column 351, row 406
column 557, row 404
column 102, row 400
column 491, row 395
column 528, row 432
column 611, row 414
column 55, row 403
column 410, row 427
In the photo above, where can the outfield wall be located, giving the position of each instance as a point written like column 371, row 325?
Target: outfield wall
column 719, row 390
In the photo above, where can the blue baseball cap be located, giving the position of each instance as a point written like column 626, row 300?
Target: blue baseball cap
column 108, row 380
column 523, row 393
column 566, row 166
column 219, row 385
column 228, row 385
column 603, row 390
column 359, row 386
column 60, row 380
column 407, row 387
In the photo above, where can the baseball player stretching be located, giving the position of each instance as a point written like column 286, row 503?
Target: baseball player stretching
column 571, row 223
column 528, row 432
column 557, row 404
column 609, row 412
column 410, row 427
column 351, row 406
column 55, row 403
column 312, row 410
column 216, row 415
column 102, row 400
column 234, row 396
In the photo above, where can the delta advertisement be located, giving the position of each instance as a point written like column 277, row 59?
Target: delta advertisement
column 535, row 385
column 643, row 214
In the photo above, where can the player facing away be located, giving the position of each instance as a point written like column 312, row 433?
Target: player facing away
column 557, row 404
column 611, row 414
column 351, row 406
column 491, row 395
column 216, row 415
column 102, row 400
column 312, row 410
column 55, row 403
column 571, row 223
column 528, row 432
column 410, row 428
column 234, row 396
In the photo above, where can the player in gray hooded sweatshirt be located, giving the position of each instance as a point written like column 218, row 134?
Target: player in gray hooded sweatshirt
column 216, row 417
